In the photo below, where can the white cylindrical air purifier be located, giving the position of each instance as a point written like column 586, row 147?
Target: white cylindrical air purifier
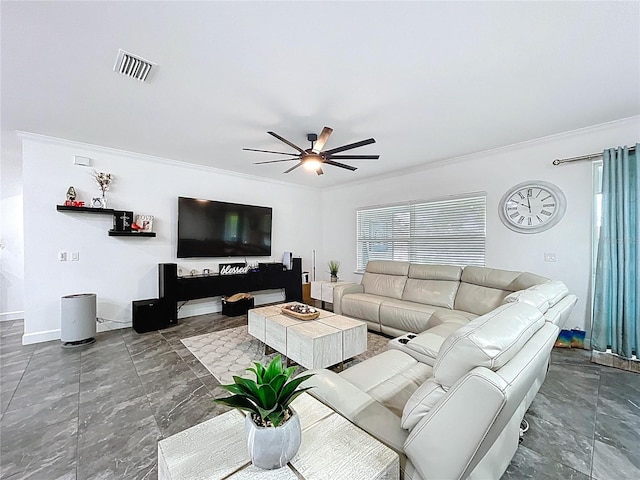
column 78, row 319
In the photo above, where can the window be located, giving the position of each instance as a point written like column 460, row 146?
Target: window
column 447, row 231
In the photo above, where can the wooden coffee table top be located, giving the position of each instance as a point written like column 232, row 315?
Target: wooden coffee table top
column 332, row 448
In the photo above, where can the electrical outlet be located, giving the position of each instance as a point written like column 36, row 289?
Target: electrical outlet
column 550, row 257
column 75, row 256
column 62, row 256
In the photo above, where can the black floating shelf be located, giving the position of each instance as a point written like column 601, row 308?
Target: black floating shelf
column 65, row 208
column 114, row 233
column 104, row 211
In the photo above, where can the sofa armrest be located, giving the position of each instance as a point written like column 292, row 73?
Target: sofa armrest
column 357, row 406
column 340, row 290
column 559, row 313
column 444, row 443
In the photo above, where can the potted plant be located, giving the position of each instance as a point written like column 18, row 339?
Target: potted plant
column 334, row 266
column 272, row 427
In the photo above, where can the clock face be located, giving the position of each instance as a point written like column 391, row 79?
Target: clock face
column 532, row 207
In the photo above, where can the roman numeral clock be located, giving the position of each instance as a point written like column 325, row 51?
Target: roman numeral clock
column 532, row 207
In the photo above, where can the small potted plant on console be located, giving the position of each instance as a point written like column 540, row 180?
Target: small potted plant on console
column 272, row 427
column 334, row 266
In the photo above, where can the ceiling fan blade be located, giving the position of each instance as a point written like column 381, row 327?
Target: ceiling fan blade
column 341, row 165
column 319, row 171
column 276, row 161
column 284, row 140
column 293, row 168
column 350, row 146
column 269, row 151
column 322, row 139
column 354, row 157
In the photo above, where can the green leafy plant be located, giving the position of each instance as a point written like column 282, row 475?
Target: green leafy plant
column 334, row 266
column 267, row 398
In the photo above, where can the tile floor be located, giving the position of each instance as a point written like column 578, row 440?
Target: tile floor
column 97, row 412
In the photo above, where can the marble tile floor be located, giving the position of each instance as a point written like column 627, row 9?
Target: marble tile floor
column 97, row 412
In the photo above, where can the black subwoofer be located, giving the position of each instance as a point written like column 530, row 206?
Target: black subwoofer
column 149, row 315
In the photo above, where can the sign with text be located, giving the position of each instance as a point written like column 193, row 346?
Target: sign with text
column 233, row 268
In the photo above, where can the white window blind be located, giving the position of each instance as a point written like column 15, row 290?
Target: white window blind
column 449, row 231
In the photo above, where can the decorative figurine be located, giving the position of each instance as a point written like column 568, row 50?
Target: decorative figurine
column 71, row 199
column 71, row 194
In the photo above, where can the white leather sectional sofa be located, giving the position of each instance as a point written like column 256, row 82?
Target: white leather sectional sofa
column 458, row 416
column 433, row 301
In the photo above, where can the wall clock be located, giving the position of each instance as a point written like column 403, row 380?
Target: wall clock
column 532, row 207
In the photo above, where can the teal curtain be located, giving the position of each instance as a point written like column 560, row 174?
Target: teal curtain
column 616, row 311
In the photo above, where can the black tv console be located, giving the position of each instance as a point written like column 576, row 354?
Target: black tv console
column 173, row 289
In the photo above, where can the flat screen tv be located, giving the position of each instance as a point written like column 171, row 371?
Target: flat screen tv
column 208, row 228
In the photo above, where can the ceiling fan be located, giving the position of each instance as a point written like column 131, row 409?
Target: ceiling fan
column 313, row 158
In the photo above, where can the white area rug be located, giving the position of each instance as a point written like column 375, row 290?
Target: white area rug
column 229, row 352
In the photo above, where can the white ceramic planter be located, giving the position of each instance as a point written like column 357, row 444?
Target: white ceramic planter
column 272, row 447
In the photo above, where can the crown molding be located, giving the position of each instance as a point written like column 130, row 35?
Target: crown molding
column 36, row 137
column 493, row 151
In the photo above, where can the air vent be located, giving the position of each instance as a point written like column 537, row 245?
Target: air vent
column 134, row 66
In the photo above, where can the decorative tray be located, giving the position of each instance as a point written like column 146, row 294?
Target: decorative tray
column 301, row 312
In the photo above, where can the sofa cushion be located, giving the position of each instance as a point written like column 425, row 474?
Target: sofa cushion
column 428, row 344
column 432, row 284
column 554, row 291
column 484, row 289
column 421, row 403
column 362, row 306
column 501, row 279
column 390, row 378
column 535, row 299
column 487, row 341
column 390, row 286
column 406, row 316
column 385, row 277
column 388, row 267
column 452, row 316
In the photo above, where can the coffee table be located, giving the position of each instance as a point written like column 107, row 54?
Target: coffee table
column 332, row 448
column 329, row 340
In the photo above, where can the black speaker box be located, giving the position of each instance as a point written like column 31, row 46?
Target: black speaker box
column 148, row 315
column 168, row 289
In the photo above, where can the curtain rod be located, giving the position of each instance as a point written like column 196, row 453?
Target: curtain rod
column 582, row 158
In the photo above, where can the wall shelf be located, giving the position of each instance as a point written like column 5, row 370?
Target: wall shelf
column 114, row 233
column 104, row 211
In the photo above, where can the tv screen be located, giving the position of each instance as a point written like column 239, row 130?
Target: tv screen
column 207, row 228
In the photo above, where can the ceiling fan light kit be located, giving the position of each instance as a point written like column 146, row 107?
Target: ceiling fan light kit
column 313, row 158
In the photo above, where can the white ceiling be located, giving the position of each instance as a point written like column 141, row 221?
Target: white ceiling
column 428, row 80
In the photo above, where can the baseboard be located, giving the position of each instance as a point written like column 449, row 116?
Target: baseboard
column 615, row 361
column 39, row 337
column 106, row 326
column 10, row 316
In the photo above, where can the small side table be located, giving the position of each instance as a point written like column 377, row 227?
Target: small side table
column 323, row 291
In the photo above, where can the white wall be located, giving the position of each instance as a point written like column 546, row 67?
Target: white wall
column 494, row 172
column 11, row 258
column 122, row 269
column 11, row 237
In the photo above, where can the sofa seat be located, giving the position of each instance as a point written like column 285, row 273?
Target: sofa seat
column 364, row 306
column 390, row 378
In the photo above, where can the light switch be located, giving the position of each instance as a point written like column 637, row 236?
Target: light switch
column 75, row 256
column 62, row 256
column 550, row 257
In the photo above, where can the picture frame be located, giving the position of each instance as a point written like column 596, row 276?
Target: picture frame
column 145, row 222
